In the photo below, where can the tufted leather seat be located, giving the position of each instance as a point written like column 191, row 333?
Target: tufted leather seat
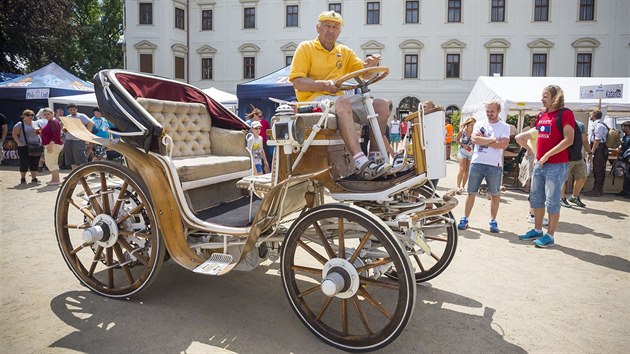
column 202, row 154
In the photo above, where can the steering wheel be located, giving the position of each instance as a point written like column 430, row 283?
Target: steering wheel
column 379, row 72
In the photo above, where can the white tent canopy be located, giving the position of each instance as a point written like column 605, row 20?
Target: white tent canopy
column 524, row 93
column 89, row 99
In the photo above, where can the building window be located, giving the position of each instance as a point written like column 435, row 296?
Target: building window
column 587, row 10
column 146, row 63
column 180, row 73
column 146, row 13
column 288, row 60
column 452, row 66
column 584, row 64
column 496, row 64
column 450, row 110
column 292, row 16
column 179, row 18
column 454, row 11
column 411, row 66
column 249, row 68
column 335, row 6
column 497, row 13
column 539, row 65
column 541, row 10
column 206, row 20
column 373, row 13
column 412, row 12
column 206, row 68
column 249, row 17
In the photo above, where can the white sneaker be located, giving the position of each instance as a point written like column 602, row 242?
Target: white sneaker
column 531, row 220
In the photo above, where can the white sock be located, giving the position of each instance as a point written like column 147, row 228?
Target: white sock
column 539, row 231
column 359, row 159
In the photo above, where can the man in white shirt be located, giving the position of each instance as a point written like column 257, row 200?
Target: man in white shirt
column 597, row 133
column 73, row 147
column 490, row 136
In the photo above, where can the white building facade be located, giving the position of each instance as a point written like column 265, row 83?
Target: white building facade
column 435, row 49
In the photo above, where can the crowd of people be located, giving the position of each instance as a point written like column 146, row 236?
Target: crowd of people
column 44, row 141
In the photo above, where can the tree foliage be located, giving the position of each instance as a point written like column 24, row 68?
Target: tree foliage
column 82, row 36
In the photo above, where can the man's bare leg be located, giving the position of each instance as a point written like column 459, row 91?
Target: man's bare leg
column 343, row 110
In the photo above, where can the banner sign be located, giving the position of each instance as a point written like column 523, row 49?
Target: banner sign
column 601, row 91
column 37, row 94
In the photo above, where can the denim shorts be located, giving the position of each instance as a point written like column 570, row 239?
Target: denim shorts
column 478, row 172
column 546, row 186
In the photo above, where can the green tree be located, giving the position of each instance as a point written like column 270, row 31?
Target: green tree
column 82, row 36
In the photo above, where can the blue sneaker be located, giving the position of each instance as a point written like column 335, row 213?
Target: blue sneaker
column 545, row 241
column 531, row 234
column 463, row 223
column 494, row 227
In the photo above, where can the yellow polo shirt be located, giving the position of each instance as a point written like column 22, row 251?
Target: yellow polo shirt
column 314, row 61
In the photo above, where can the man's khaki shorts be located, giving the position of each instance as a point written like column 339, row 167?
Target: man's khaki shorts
column 359, row 111
column 577, row 169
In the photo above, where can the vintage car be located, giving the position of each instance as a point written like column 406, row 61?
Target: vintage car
column 350, row 252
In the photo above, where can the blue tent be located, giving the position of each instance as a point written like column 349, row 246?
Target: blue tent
column 257, row 92
column 31, row 91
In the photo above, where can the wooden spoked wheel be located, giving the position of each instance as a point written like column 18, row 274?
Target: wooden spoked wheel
column 440, row 234
column 333, row 262
column 376, row 73
column 107, row 231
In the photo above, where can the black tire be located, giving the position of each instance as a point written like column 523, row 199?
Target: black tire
column 132, row 256
column 378, row 310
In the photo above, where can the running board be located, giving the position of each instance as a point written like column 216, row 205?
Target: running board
column 215, row 264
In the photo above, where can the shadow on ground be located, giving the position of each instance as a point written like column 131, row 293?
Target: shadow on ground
column 183, row 311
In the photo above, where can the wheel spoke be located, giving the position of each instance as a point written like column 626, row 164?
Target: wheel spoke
column 91, row 197
column 95, row 260
column 312, row 252
column 121, row 261
column 322, row 311
column 415, row 256
column 131, row 250
column 322, row 237
column 362, row 317
column 120, row 199
column 342, row 242
column 372, row 301
column 134, row 233
column 74, row 251
column 131, row 212
column 307, row 269
column 378, row 263
column 344, row 316
column 436, row 238
column 308, row 291
column 104, row 194
column 379, row 283
column 110, row 270
column 435, row 256
column 84, row 209
column 357, row 251
column 76, row 226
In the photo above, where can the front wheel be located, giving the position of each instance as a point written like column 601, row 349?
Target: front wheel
column 107, row 231
column 334, row 262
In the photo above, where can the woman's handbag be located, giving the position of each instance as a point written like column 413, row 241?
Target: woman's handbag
column 35, row 150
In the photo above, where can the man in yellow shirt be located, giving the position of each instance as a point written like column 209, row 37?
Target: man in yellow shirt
column 317, row 64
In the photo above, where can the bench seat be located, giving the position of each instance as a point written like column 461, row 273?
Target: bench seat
column 201, row 154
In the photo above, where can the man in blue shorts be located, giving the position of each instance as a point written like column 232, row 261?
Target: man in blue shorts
column 490, row 136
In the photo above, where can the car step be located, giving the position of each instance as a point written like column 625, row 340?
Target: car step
column 215, row 264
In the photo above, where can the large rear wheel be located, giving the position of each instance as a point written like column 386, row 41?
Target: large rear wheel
column 107, row 231
column 333, row 264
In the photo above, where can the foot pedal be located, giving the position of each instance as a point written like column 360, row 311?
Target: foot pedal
column 215, row 264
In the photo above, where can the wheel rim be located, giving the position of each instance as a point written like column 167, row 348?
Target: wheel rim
column 366, row 313
column 107, row 231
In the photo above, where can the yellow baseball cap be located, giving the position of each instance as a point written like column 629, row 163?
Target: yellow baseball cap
column 330, row 16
